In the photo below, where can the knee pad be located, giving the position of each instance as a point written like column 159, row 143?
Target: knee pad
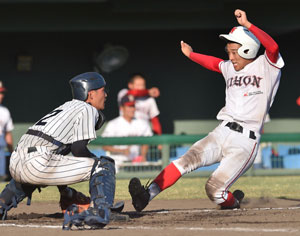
column 106, row 160
column 215, row 190
column 12, row 194
column 210, row 190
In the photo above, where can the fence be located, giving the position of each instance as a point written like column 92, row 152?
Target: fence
column 280, row 154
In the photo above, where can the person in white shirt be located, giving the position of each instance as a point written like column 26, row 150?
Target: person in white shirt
column 251, row 84
column 6, row 139
column 145, row 103
column 127, row 125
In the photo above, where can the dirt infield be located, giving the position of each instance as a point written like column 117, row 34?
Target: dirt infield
column 168, row 217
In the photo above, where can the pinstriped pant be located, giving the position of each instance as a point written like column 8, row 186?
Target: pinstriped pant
column 46, row 168
column 235, row 151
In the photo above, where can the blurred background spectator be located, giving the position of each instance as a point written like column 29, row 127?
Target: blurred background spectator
column 126, row 125
column 6, row 140
column 146, row 107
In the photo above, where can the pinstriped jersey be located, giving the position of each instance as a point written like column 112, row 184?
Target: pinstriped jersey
column 73, row 121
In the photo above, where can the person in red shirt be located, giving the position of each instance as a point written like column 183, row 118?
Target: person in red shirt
column 146, row 107
column 298, row 101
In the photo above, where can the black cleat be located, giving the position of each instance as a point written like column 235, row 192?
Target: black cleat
column 118, row 207
column 239, row 196
column 139, row 194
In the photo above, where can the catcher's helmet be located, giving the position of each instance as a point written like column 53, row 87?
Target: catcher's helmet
column 83, row 83
column 241, row 35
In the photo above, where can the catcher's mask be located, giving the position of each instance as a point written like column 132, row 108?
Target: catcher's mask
column 241, row 35
column 83, row 83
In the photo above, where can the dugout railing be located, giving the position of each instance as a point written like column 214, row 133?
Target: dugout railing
column 171, row 143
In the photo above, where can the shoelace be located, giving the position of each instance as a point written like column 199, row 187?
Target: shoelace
column 147, row 185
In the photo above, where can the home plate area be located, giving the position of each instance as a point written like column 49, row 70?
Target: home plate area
column 262, row 216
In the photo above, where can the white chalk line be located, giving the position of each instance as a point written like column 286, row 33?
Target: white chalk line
column 217, row 210
column 234, row 229
column 31, row 226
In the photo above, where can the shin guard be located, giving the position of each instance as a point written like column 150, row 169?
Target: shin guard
column 12, row 194
column 102, row 191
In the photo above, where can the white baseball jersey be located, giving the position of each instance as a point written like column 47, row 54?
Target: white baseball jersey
column 119, row 127
column 146, row 108
column 73, row 121
column 249, row 95
column 250, row 92
column 6, row 125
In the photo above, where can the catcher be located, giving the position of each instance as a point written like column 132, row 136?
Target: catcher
column 42, row 158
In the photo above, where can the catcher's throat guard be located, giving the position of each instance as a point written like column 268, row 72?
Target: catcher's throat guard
column 100, row 121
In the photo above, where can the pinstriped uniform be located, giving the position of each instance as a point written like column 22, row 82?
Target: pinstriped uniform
column 73, row 121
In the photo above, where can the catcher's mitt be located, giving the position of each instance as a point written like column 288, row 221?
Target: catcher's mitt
column 70, row 196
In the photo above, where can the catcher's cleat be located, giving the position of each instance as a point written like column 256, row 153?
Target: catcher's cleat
column 239, row 196
column 139, row 194
column 71, row 196
column 118, row 207
column 92, row 217
column 95, row 218
column 116, row 217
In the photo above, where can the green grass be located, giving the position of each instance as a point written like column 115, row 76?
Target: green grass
column 191, row 188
